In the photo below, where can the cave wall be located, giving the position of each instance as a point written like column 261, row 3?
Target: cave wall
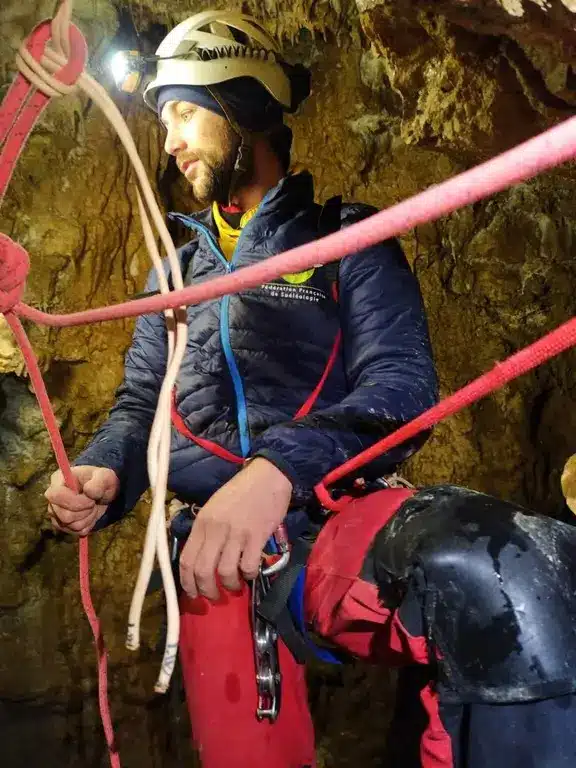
column 406, row 94
column 495, row 275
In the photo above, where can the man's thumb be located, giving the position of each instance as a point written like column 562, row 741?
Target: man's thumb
column 102, row 487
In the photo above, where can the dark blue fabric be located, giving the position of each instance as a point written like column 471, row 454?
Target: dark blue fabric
column 532, row 734
column 246, row 99
column 296, row 608
column 193, row 94
column 250, row 103
column 539, row 734
column 280, row 336
column 535, row 734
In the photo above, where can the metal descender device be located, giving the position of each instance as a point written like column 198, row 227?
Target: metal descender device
column 265, row 636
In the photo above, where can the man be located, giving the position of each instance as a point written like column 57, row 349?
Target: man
column 268, row 401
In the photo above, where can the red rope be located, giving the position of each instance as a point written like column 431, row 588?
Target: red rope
column 549, row 346
column 545, row 151
column 20, row 111
column 23, row 105
column 83, row 551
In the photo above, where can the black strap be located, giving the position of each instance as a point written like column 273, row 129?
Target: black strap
column 273, row 607
column 330, row 217
column 144, row 295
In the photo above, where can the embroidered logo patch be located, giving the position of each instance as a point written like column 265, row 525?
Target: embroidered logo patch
column 297, row 278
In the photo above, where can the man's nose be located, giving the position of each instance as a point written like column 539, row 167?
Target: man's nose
column 174, row 142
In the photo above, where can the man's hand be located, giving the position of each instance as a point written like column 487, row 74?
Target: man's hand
column 231, row 530
column 77, row 513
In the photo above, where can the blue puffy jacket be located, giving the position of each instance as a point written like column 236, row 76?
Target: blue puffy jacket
column 254, row 358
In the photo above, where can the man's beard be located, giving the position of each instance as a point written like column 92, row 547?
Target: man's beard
column 213, row 179
column 216, row 173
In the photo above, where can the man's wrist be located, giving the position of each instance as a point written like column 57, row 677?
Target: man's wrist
column 264, row 465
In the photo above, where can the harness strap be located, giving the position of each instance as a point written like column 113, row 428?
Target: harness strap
column 282, row 606
column 212, row 447
column 305, row 409
column 330, row 220
column 208, row 445
column 273, row 607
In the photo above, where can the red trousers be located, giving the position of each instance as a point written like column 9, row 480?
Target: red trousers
column 218, row 658
column 220, row 680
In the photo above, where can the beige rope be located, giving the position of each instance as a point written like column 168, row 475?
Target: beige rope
column 156, row 541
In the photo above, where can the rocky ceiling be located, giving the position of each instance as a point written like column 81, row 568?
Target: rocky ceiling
column 406, row 94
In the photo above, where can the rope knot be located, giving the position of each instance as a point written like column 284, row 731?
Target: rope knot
column 14, row 268
column 54, row 55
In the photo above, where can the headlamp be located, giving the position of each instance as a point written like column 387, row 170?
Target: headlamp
column 129, row 68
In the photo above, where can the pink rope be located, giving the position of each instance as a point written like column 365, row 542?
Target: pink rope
column 534, row 156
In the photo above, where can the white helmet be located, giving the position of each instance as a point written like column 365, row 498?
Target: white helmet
column 206, row 50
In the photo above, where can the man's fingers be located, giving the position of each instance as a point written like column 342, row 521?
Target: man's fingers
column 56, row 525
column 188, row 558
column 81, row 473
column 65, row 498
column 70, row 520
column 229, row 565
column 75, row 512
column 81, row 528
column 56, row 478
column 67, row 516
column 206, row 561
column 76, row 526
column 95, row 483
column 250, row 562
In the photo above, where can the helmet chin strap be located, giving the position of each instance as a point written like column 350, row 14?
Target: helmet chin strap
column 245, row 152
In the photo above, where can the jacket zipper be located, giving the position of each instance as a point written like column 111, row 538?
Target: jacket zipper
column 241, row 407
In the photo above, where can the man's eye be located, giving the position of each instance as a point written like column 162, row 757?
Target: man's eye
column 186, row 116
